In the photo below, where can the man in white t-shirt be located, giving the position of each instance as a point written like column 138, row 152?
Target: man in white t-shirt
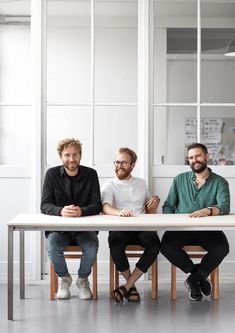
column 126, row 196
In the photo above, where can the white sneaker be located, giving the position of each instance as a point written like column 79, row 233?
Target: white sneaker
column 84, row 291
column 63, row 287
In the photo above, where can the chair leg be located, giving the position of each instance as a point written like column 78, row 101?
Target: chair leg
column 215, row 283
column 173, row 282
column 111, row 275
column 154, row 280
column 53, row 282
column 116, row 276
column 94, row 277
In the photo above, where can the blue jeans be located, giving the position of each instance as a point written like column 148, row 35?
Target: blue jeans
column 56, row 242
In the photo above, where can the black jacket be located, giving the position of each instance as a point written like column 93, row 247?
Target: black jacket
column 56, row 191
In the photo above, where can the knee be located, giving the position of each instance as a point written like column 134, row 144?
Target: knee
column 115, row 239
column 166, row 248
column 91, row 246
column 53, row 245
column 222, row 250
column 150, row 241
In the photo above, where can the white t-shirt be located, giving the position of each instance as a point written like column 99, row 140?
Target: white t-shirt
column 132, row 194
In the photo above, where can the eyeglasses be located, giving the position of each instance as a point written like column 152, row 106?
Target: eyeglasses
column 120, row 163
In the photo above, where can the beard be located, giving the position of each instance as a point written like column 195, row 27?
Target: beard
column 122, row 173
column 71, row 166
column 200, row 168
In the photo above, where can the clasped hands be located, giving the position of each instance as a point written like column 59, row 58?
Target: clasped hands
column 71, row 211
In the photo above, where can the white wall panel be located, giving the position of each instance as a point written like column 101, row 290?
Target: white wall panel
column 114, row 127
column 16, row 198
column 15, row 64
column 68, row 122
column 68, row 64
column 116, row 70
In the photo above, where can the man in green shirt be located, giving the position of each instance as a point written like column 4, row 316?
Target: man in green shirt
column 199, row 193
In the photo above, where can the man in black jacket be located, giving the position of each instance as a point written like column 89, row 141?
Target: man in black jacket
column 71, row 190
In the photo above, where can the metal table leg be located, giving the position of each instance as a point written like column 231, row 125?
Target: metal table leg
column 22, row 266
column 10, row 272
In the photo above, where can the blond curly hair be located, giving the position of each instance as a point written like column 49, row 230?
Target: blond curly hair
column 68, row 143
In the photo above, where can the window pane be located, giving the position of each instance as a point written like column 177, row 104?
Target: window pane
column 67, row 122
column 173, row 131
column 68, row 51
column 219, row 134
column 217, row 74
column 15, row 52
column 15, row 135
column 116, row 51
column 115, row 127
column 175, row 50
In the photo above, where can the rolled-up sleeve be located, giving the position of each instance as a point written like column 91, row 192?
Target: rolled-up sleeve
column 223, row 198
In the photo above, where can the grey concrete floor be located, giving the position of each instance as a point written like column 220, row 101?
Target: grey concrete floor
column 37, row 314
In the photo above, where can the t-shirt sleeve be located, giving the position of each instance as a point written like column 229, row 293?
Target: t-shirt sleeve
column 107, row 194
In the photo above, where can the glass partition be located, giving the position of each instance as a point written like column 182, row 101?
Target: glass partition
column 218, row 124
column 217, row 74
column 175, row 51
column 175, row 127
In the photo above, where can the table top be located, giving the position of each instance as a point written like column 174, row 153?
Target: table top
column 101, row 222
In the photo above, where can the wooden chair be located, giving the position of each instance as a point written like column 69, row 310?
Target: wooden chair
column 132, row 251
column 72, row 252
column 196, row 252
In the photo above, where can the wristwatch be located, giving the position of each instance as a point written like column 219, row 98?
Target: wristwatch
column 210, row 211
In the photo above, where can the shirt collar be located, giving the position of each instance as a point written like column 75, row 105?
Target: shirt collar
column 64, row 174
column 193, row 174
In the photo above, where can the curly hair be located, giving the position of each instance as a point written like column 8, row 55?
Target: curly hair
column 68, row 143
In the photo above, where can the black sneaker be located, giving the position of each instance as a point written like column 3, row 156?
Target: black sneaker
column 194, row 290
column 205, row 286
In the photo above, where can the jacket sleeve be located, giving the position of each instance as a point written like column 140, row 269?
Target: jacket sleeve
column 94, row 206
column 48, row 202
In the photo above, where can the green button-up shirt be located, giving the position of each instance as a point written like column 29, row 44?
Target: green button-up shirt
column 185, row 197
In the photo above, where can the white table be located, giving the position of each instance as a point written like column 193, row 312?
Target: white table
column 148, row 222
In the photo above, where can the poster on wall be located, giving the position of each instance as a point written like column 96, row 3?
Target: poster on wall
column 217, row 134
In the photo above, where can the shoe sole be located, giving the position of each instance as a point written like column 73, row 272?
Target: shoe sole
column 193, row 299
column 84, row 298
column 63, row 298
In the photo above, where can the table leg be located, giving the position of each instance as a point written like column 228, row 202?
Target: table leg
column 10, row 273
column 22, row 266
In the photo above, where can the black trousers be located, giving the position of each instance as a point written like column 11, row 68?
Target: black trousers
column 118, row 241
column 214, row 242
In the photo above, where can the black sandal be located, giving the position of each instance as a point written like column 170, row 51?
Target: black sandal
column 133, row 292
column 119, row 293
